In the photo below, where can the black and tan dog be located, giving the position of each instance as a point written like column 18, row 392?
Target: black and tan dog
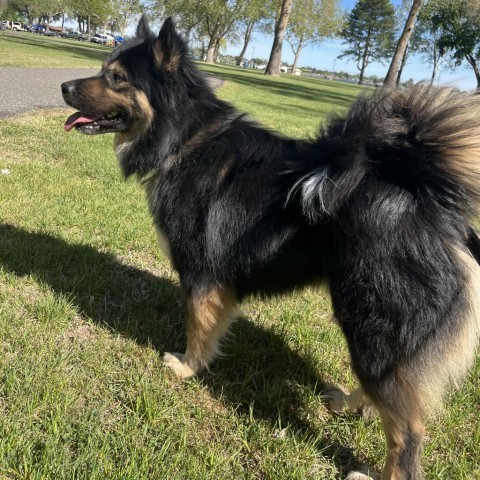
column 379, row 207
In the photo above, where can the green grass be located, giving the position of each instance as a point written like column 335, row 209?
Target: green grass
column 22, row 49
column 88, row 304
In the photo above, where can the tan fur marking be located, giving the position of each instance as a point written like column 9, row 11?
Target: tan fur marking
column 223, row 172
column 396, row 427
column 453, row 117
column 158, row 54
column 117, row 67
column 143, row 116
column 174, row 63
column 168, row 64
column 208, row 319
column 95, row 89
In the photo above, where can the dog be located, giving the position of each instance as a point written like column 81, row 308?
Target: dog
column 379, row 206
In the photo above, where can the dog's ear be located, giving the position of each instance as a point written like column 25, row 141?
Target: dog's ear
column 143, row 30
column 167, row 35
column 169, row 47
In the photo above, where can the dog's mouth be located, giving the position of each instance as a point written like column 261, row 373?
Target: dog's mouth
column 112, row 122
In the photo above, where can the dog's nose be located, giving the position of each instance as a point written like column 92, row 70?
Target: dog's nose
column 68, row 88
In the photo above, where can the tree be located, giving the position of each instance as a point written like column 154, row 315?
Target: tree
column 122, row 11
column 90, row 13
column 402, row 12
column 25, row 9
column 369, row 33
column 457, row 24
column 311, row 22
column 396, row 63
column 255, row 11
column 186, row 13
column 425, row 38
column 219, row 18
column 281, row 22
column 212, row 19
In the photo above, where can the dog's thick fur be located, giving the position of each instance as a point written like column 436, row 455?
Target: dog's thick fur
column 379, row 206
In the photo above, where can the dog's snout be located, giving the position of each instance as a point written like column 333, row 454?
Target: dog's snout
column 68, row 88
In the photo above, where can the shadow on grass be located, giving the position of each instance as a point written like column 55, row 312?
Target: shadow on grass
column 291, row 89
column 259, row 368
column 83, row 49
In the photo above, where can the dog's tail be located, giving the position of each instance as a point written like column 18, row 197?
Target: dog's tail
column 425, row 140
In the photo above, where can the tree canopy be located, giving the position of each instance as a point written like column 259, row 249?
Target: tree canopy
column 311, row 22
column 456, row 24
column 446, row 30
column 369, row 33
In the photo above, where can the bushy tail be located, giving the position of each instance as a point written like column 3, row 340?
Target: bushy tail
column 426, row 140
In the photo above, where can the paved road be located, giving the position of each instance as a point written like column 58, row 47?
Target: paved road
column 24, row 89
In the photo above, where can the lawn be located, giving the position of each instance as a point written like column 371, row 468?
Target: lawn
column 88, row 304
column 22, row 49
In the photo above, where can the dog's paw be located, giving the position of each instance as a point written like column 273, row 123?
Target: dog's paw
column 340, row 401
column 335, row 398
column 363, row 475
column 176, row 363
column 368, row 413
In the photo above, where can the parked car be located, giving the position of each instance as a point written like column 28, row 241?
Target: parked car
column 97, row 39
column 16, row 26
column 38, row 28
column 53, row 31
column 81, row 37
column 103, row 39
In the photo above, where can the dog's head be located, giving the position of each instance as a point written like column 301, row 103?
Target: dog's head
column 134, row 86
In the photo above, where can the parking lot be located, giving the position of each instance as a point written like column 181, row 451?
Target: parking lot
column 25, row 89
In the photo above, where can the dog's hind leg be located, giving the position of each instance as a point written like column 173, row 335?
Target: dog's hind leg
column 403, row 423
column 401, row 411
column 208, row 316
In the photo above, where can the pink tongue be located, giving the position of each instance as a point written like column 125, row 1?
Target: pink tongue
column 77, row 117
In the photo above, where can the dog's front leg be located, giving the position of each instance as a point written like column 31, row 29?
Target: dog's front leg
column 208, row 313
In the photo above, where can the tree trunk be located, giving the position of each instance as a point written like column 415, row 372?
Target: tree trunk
column 216, row 51
column 275, row 60
column 297, row 56
column 401, row 67
column 364, row 64
column 360, row 77
column 471, row 60
column 210, row 52
column 215, row 37
column 402, row 44
column 435, row 64
column 246, row 40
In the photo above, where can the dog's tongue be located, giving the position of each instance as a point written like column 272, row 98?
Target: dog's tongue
column 77, row 117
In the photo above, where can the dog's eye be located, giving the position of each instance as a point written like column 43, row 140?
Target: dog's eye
column 118, row 77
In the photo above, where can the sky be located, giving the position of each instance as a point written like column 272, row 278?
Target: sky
column 324, row 57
